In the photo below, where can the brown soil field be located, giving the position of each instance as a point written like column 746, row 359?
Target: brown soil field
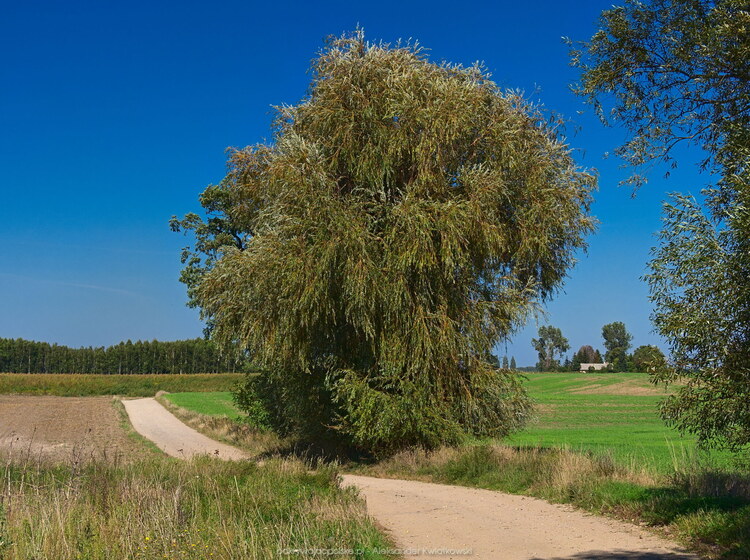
column 64, row 429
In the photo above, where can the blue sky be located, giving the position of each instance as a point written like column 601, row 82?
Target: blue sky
column 115, row 116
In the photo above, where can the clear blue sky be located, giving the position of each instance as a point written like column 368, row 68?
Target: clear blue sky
column 115, row 116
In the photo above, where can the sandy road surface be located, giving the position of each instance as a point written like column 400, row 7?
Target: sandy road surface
column 431, row 520
column 153, row 421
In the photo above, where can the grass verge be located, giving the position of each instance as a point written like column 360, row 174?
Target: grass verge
column 169, row 509
column 221, row 427
column 82, row 385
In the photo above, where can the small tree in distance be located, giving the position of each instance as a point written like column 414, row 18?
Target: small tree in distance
column 513, row 365
column 617, row 341
column 549, row 345
column 649, row 359
column 585, row 355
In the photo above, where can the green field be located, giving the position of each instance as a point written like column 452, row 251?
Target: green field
column 608, row 412
column 82, row 385
column 214, row 403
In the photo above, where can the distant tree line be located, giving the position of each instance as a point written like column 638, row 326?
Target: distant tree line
column 181, row 356
column 551, row 346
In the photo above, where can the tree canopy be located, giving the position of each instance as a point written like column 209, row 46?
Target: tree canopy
column 616, row 336
column 549, row 345
column 671, row 72
column 405, row 218
column 617, row 341
column 140, row 357
column 677, row 72
column 649, row 358
column 585, row 355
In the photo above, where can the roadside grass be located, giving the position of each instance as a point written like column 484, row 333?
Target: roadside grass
column 168, row 509
column 82, row 385
column 209, row 419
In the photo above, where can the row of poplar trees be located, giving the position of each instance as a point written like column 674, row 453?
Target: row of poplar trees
column 181, row 356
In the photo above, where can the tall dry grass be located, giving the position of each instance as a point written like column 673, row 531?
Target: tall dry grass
column 169, row 509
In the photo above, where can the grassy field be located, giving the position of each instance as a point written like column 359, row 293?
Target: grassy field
column 213, row 403
column 614, row 413
column 82, row 385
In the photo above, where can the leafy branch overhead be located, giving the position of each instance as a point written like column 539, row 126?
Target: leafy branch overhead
column 679, row 72
column 670, row 72
column 406, row 217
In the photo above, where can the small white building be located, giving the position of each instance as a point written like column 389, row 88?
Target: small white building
column 596, row 367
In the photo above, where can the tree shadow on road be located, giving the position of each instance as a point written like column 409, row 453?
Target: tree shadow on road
column 622, row 555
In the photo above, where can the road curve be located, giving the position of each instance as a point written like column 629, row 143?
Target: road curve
column 435, row 519
column 439, row 521
column 458, row 522
column 154, row 422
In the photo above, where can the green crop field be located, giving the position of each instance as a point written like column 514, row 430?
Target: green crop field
column 82, row 384
column 215, row 403
column 608, row 413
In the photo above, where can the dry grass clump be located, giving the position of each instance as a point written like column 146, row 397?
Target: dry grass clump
column 500, row 466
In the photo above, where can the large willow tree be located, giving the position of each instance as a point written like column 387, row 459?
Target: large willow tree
column 406, row 217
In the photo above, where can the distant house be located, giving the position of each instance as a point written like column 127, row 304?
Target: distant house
column 596, row 367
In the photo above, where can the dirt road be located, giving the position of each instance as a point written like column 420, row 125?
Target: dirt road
column 154, row 422
column 434, row 520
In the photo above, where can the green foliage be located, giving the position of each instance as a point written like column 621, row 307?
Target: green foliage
column 513, row 363
column 679, row 71
column 617, row 342
column 550, row 343
column 222, row 229
column 247, row 398
column 649, row 358
column 699, row 285
column 616, row 336
column 585, row 355
column 407, row 216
